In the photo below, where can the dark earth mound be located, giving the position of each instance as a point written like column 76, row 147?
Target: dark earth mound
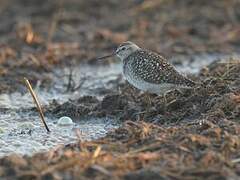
column 194, row 135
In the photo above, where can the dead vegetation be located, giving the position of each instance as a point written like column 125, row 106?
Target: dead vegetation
column 196, row 137
column 139, row 150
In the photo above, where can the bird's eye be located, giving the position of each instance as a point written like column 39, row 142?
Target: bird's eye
column 123, row 48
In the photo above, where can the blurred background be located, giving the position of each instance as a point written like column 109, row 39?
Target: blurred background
column 39, row 34
column 168, row 26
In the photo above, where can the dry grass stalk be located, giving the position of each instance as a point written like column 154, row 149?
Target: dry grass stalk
column 37, row 103
column 97, row 152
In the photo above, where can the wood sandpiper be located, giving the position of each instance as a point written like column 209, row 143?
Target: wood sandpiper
column 149, row 71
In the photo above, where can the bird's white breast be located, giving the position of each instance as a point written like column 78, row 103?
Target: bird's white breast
column 146, row 86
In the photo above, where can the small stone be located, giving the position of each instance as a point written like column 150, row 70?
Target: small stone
column 65, row 121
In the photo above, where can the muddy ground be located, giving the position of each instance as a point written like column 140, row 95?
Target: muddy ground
column 194, row 136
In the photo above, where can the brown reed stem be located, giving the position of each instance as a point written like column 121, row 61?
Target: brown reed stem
column 35, row 99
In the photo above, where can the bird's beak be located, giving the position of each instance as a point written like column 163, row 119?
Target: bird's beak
column 105, row 57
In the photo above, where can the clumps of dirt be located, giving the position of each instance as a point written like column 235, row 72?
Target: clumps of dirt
column 111, row 103
column 141, row 150
column 74, row 108
column 226, row 103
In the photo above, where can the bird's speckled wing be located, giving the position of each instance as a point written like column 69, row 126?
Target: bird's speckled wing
column 153, row 68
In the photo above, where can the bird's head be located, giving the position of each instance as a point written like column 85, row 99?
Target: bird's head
column 123, row 51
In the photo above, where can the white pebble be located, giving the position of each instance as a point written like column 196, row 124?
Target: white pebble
column 65, row 121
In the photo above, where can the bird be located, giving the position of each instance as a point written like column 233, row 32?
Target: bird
column 149, row 71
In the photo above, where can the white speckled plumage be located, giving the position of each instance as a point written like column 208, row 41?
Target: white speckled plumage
column 149, row 71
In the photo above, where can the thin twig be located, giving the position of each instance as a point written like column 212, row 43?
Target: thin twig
column 81, row 84
column 36, row 102
column 70, row 80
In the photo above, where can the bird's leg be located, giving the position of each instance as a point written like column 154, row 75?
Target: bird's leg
column 149, row 102
column 164, row 102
